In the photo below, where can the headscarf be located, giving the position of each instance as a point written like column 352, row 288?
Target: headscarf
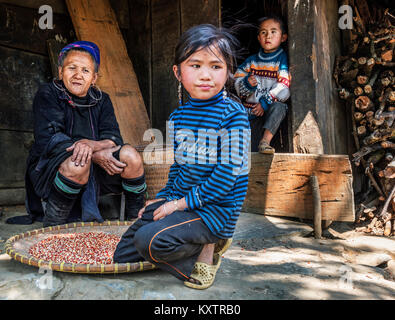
column 91, row 47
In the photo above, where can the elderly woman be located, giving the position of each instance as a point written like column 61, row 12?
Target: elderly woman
column 78, row 152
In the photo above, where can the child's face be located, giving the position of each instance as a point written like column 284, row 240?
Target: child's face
column 203, row 74
column 270, row 36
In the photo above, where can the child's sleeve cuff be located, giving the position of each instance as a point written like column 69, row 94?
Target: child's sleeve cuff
column 264, row 104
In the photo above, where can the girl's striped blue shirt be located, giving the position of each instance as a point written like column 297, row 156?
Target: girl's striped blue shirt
column 211, row 140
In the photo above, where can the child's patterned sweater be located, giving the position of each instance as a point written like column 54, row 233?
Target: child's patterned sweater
column 271, row 72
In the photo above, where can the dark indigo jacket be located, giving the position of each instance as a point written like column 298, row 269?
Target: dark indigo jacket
column 53, row 124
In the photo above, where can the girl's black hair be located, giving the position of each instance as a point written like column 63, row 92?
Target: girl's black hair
column 275, row 18
column 204, row 36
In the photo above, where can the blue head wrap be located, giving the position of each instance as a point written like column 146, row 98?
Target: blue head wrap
column 92, row 48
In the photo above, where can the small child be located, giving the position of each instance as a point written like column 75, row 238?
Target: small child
column 262, row 82
column 191, row 221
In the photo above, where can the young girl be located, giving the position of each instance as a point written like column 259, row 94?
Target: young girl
column 189, row 225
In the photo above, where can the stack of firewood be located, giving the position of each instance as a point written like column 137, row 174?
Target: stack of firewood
column 365, row 78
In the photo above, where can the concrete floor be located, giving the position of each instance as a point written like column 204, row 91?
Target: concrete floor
column 271, row 258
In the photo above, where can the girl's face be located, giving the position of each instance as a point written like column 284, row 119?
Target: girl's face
column 203, row 74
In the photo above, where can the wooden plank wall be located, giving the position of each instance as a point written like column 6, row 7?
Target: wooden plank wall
column 24, row 65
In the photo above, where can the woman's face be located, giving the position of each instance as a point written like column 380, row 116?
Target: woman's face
column 203, row 74
column 78, row 73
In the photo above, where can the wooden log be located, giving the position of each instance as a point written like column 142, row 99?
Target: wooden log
column 387, row 228
column 368, row 67
column 345, row 94
column 358, row 116
column 387, row 202
column 363, row 103
column 267, row 186
column 362, row 79
column 316, row 206
column 96, row 22
column 361, row 131
column 358, row 91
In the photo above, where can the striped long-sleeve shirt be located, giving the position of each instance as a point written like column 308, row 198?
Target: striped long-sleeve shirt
column 271, row 72
column 211, row 145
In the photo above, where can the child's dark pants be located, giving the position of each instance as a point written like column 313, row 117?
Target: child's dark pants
column 173, row 243
column 271, row 121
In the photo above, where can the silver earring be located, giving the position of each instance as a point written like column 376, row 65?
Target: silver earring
column 179, row 93
column 224, row 94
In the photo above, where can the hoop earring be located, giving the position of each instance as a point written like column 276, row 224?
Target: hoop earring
column 94, row 86
column 179, row 93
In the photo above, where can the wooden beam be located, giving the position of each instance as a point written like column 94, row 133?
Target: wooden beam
column 279, row 186
column 95, row 21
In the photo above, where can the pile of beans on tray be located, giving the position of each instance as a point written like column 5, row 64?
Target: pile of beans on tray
column 83, row 248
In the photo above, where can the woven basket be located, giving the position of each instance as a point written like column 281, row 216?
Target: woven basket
column 157, row 164
column 18, row 248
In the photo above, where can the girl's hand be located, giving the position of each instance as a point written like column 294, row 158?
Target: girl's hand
column 164, row 210
column 258, row 110
column 140, row 214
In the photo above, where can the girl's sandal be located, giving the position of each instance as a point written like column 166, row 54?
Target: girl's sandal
column 222, row 245
column 204, row 273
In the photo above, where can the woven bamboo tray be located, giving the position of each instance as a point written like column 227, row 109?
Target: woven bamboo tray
column 18, row 248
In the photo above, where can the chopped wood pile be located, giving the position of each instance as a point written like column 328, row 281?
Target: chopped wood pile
column 365, row 78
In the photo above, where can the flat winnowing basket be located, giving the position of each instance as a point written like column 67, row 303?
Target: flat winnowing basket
column 18, row 248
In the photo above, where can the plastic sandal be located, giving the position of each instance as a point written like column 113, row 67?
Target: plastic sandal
column 204, row 273
column 265, row 148
column 222, row 245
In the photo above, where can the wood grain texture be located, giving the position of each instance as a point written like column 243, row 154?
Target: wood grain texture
column 19, row 28
column 14, row 148
column 95, row 21
column 280, row 186
column 21, row 74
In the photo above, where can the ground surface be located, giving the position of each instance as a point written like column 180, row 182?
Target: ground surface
column 270, row 258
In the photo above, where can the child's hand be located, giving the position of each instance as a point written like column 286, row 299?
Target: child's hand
column 252, row 81
column 258, row 110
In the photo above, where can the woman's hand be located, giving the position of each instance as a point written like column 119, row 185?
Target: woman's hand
column 258, row 110
column 106, row 160
column 140, row 214
column 82, row 151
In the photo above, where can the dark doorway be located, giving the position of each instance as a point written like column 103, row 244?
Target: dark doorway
column 242, row 16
